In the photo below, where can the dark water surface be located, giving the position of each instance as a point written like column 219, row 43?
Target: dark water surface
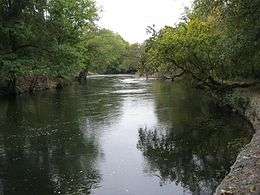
column 116, row 136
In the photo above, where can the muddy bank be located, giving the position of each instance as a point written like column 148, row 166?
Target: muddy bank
column 244, row 177
column 28, row 84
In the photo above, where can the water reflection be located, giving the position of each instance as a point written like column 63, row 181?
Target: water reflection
column 196, row 144
column 82, row 140
column 49, row 142
column 49, row 160
column 99, row 105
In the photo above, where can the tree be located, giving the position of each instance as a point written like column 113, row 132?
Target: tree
column 132, row 58
column 217, row 41
column 42, row 37
column 239, row 23
column 106, row 50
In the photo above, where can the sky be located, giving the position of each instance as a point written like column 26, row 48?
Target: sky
column 130, row 18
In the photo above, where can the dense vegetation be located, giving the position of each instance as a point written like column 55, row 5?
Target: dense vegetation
column 110, row 53
column 43, row 37
column 217, row 41
column 55, row 39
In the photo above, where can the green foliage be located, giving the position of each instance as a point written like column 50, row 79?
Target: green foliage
column 110, row 53
column 43, row 37
column 132, row 59
column 236, row 101
column 239, row 23
column 57, row 39
column 107, row 50
column 217, row 41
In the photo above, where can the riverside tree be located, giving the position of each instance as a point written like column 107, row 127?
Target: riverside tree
column 107, row 52
column 43, row 37
column 57, row 40
column 217, row 41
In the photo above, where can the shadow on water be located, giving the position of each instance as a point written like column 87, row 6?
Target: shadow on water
column 196, row 143
column 82, row 140
column 45, row 144
column 51, row 160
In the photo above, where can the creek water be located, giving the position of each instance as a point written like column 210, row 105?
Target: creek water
column 117, row 135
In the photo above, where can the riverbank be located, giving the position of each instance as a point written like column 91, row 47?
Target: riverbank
column 244, row 177
column 30, row 84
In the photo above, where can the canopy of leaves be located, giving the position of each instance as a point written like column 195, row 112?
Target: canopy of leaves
column 107, row 50
column 217, row 41
column 58, row 39
column 42, row 37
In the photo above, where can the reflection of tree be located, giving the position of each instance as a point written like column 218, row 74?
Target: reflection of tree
column 195, row 151
column 45, row 147
column 178, row 103
column 50, row 160
column 101, row 105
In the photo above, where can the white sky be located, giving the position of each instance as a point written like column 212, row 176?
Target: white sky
column 130, row 18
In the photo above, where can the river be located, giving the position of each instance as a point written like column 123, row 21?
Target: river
column 117, row 135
